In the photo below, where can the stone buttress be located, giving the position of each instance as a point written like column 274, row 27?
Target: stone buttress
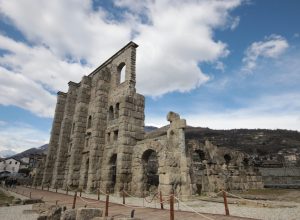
column 55, row 133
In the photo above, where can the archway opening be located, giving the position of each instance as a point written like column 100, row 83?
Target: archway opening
column 111, row 113
column 227, row 158
column 112, row 173
column 150, row 171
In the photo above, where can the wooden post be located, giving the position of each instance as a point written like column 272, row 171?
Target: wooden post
column 161, row 200
column 98, row 194
column 67, row 191
column 42, row 187
column 80, row 192
column 106, row 203
column 123, row 194
column 30, row 195
column 56, row 189
column 48, row 187
column 74, row 200
column 56, row 202
column 172, row 206
column 225, row 203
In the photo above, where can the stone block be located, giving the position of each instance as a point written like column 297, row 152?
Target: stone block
column 88, row 213
column 69, row 214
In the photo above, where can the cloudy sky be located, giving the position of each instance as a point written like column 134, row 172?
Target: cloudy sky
column 220, row 64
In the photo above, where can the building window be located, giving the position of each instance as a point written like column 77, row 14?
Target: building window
column 16, row 162
column 89, row 124
column 73, row 128
column 108, row 137
column 116, row 133
column 111, row 113
column 9, row 162
column 121, row 72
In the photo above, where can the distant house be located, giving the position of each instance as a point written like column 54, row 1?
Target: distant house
column 10, row 165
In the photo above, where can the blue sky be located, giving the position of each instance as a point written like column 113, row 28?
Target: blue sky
column 223, row 65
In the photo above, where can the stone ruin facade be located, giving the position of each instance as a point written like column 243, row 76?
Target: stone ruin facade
column 98, row 141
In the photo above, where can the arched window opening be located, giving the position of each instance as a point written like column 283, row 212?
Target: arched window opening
column 150, row 170
column 116, row 133
column 117, row 110
column 198, row 156
column 108, row 137
column 112, row 172
column 111, row 113
column 227, row 158
column 73, row 128
column 89, row 124
column 122, row 72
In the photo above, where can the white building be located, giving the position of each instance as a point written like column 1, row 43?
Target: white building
column 11, row 165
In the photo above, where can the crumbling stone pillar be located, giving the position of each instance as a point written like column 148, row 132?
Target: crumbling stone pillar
column 55, row 133
column 65, row 131
column 78, row 131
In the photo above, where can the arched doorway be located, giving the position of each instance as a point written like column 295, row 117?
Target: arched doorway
column 198, row 169
column 112, row 173
column 150, row 171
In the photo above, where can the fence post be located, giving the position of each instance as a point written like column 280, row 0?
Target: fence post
column 106, row 203
column 67, row 191
column 172, row 206
column 56, row 189
column 42, row 187
column 48, row 186
column 225, row 203
column 98, row 194
column 74, row 200
column 80, row 192
column 123, row 194
column 161, row 200
column 30, row 195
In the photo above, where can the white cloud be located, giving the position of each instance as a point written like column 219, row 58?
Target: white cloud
column 272, row 47
column 176, row 37
column 16, row 89
column 266, row 112
column 19, row 137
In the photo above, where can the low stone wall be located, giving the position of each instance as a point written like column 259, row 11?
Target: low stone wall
column 281, row 177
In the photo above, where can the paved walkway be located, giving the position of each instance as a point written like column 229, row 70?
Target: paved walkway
column 115, row 209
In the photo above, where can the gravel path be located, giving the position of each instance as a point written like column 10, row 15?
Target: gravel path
column 276, row 210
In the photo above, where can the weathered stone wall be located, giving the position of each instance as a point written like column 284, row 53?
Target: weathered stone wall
column 64, row 137
column 215, row 168
column 280, row 176
column 98, row 141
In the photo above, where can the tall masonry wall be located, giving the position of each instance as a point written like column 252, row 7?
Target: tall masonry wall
column 97, row 119
column 98, row 141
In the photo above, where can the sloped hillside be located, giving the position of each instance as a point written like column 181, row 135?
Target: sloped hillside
column 260, row 141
